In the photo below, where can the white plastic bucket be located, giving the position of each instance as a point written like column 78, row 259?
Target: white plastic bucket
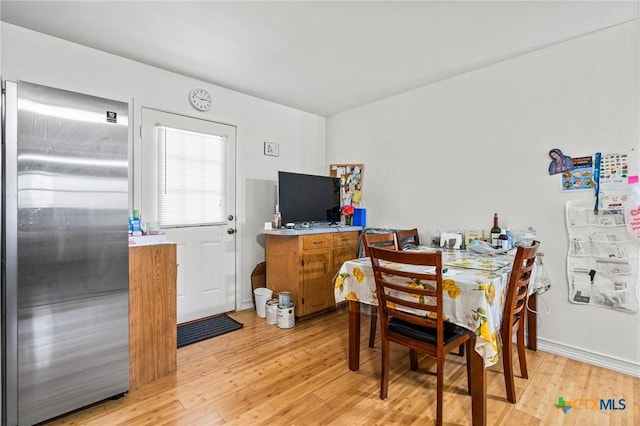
column 262, row 294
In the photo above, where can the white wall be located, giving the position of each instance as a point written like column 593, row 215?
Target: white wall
column 34, row 57
column 445, row 156
column 449, row 155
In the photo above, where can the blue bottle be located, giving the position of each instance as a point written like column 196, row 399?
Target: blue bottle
column 509, row 238
column 135, row 223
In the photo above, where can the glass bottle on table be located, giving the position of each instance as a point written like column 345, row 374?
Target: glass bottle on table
column 503, row 240
column 509, row 237
column 495, row 232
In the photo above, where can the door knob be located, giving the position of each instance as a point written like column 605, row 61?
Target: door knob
column 231, row 231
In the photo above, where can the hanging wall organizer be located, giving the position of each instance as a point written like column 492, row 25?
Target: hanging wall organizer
column 602, row 261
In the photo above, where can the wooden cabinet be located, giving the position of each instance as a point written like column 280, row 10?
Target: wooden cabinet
column 305, row 266
column 152, row 313
column 343, row 250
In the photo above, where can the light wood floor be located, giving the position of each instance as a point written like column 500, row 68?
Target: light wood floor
column 262, row 374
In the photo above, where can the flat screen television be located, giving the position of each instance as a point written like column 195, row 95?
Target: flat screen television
column 308, row 198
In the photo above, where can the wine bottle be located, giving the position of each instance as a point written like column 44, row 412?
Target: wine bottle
column 503, row 240
column 495, row 232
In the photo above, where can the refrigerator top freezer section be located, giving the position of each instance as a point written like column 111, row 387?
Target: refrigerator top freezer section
column 70, row 149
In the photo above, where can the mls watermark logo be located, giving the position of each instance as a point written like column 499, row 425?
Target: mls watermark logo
column 563, row 405
column 590, row 404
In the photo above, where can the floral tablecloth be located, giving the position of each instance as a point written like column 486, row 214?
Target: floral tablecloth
column 469, row 260
column 473, row 298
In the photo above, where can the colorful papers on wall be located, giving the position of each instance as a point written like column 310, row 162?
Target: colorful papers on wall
column 350, row 182
column 576, row 173
column 560, row 163
column 614, row 169
column 580, row 176
column 610, row 172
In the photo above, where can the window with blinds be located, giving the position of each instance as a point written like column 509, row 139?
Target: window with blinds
column 192, row 178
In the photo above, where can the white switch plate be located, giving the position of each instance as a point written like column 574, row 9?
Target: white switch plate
column 272, row 149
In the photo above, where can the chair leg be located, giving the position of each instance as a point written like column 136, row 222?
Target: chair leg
column 522, row 357
column 469, row 349
column 372, row 329
column 384, row 370
column 413, row 359
column 507, row 364
column 461, row 350
column 439, row 390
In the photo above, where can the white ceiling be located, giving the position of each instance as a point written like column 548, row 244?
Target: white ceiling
column 321, row 57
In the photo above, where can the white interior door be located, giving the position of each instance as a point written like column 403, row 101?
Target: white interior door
column 206, row 248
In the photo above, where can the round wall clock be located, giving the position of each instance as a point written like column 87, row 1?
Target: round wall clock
column 200, row 99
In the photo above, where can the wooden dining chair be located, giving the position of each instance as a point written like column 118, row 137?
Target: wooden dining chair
column 425, row 330
column 514, row 314
column 383, row 239
column 407, row 236
column 410, row 237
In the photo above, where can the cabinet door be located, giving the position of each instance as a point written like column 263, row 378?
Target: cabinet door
column 316, row 281
column 341, row 255
column 345, row 248
column 152, row 313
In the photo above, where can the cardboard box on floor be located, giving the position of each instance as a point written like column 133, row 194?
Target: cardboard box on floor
column 258, row 278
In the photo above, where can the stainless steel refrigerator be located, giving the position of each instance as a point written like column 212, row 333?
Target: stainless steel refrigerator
column 65, row 336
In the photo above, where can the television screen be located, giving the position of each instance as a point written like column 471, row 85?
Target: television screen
column 308, row 198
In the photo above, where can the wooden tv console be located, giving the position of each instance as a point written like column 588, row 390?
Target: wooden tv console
column 304, row 262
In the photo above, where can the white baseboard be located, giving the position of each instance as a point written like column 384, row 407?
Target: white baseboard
column 599, row 360
column 245, row 304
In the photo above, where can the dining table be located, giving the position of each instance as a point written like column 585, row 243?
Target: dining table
column 474, row 287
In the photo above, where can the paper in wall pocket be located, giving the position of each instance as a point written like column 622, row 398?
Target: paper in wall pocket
column 631, row 208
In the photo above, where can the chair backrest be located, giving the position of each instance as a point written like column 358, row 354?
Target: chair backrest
column 386, row 239
column 409, row 279
column 518, row 287
column 407, row 236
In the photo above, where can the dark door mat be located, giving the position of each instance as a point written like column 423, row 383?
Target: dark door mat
column 205, row 329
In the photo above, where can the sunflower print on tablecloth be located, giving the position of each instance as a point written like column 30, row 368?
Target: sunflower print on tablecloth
column 340, row 281
column 434, row 315
column 483, row 331
column 452, row 289
column 357, row 272
column 489, row 291
column 418, row 297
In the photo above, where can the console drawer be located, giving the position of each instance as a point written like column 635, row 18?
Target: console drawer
column 316, row 241
column 349, row 239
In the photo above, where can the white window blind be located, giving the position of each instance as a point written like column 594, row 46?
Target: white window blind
column 192, row 178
